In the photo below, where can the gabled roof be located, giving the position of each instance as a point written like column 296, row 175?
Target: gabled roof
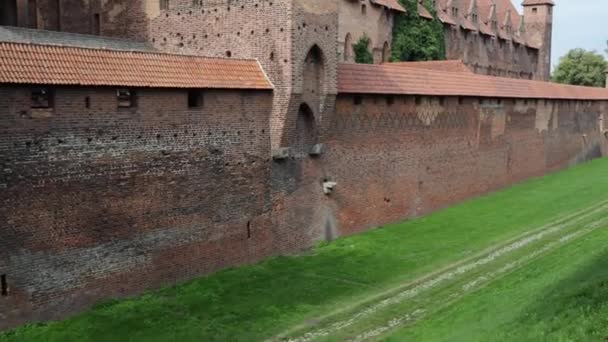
column 404, row 80
column 423, row 12
column 392, row 4
column 22, row 63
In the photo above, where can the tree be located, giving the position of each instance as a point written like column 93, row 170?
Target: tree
column 581, row 67
column 416, row 38
column 361, row 49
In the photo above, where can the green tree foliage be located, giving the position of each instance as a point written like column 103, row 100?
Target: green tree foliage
column 416, row 38
column 581, row 67
column 362, row 53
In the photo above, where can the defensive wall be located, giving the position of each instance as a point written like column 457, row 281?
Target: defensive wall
column 128, row 170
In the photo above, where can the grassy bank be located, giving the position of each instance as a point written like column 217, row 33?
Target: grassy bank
column 560, row 297
column 256, row 302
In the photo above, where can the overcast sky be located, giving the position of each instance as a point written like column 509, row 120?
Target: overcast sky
column 578, row 23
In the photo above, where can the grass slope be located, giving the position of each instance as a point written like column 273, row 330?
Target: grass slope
column 256, row 302
column 560, row 297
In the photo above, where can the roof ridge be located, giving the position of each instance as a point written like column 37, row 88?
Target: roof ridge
column 134, row 51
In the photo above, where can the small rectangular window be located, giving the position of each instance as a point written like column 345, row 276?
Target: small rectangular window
column 390, row 100
column 358, row 100
column 195, row 98
column 3, row 286
column 96, row 24
column 42, row 98
column 126, row 98
column 164, row 4
column 534, row 10
column 417, row 100
column 364, row 9
column 87, row 102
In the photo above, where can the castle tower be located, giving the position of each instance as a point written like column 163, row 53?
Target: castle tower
column 538, row 18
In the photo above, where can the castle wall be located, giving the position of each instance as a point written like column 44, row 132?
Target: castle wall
column 491, row 56
column 355, row 21
column 103, row 202
column 393, row 161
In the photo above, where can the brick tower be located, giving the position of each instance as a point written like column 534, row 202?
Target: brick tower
column 538, row 18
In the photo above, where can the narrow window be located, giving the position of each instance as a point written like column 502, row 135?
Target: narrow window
column 460, row 100
column 87, row 102
column 417, row 100
column 441, row 101
column 96, row 24
column 8, row 12
column 534, row 10
column 358, row 100
column 249, row 229
column 363, row 9
column 195, row 98
column 32, row 8
column 126, row 98
column 4, row 285
column 164, row 5
column 42, row 98
column 58, row 7
column 390, row 100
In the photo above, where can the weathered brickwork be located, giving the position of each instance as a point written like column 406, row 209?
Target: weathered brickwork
column 403, row 159
column 364, row 18
column 102, row 202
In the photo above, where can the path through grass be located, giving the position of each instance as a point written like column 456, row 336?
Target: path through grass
column 285, row 294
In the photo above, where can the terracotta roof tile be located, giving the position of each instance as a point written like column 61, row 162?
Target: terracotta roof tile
column 392, row 4
column 59, row 65
column 400, row 79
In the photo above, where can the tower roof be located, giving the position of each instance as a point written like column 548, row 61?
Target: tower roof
column 538, row 2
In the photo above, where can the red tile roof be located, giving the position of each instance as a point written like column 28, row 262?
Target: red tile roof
column 392, row 4
column 399, row 79
column 58, row 65
column 455, row 65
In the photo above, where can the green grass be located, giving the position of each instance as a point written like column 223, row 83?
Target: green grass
column 560, row 297
column 256, row 302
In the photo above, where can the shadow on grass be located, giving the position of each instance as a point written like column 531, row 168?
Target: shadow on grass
column 575, row 309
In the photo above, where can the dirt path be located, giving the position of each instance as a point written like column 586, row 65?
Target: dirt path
column 413, row 301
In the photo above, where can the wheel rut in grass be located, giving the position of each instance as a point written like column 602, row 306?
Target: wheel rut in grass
column 412, row 301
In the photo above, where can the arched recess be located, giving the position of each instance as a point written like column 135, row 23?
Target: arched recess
column 386, row 52
column 306, row 130
column 313, row 78
column 348, row 48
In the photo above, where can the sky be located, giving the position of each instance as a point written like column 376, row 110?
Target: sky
column 578, row 24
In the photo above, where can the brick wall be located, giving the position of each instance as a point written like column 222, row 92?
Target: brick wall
column 102, row 202
column 417, row 154
column 376, row 22
column 99, row 202
column 491, row 56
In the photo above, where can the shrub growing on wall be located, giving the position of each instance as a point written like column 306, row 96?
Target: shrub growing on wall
column 416, row 38
column 362, row 53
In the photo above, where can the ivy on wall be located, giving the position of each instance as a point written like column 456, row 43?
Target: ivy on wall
column 416, row 38
column 361, row 50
